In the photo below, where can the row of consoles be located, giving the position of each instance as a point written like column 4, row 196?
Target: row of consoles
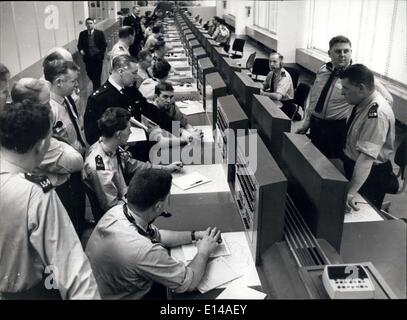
column 289, row 196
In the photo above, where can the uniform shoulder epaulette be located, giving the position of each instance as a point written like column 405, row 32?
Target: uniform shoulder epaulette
column 99, row 163
column 373, row 111
column 100, row 90
column 42, row 181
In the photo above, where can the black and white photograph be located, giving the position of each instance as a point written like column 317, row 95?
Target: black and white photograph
column 210, row 157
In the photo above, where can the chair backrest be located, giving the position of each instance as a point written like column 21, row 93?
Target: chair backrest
column 238, row 45
column 295, row 74
column 250, row 60
column 261, row 67
column 97, row 211
column 301, row 94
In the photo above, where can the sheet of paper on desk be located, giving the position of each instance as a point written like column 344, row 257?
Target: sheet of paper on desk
column 190, row 180
column 236, row 291
column 137, row 134
column 241, row 259
column 218, row 271
column 189, row 107
column 365, row 214
column 190, row 251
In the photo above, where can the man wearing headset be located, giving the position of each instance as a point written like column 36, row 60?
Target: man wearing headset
column 128, row 254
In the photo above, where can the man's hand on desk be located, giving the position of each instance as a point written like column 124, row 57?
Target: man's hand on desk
column 175, row 166
column 351, row 203
column 304, row 127
column 209, row 241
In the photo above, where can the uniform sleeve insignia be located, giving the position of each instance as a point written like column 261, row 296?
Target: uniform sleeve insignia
column 282, row 73
column 42, row 181
column 99, row 163
column 373, row 111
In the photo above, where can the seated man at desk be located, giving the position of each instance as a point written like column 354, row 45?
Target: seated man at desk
column 153, row 38
column 278, row 84
column 129, row 254
column 164, row 101
column 222, row 33
column 145, row 61
column 160, row 50
column 107, row 164
column 161, row 70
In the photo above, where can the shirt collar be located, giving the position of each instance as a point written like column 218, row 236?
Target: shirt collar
column 108, row 153
column 367, row 101
column 57, row 98
column 6, row 166
column 139, row 221
column 115, row 84
column 120, row 42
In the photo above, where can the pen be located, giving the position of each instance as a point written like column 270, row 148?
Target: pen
column 196, row 182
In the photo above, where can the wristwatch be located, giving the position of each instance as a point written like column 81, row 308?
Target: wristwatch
column 193, row 236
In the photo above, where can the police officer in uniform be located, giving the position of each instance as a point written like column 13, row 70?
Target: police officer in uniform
column 41, row 255
column 129, row 253
column 369, row 140
column 107, row 165
column 119, row 91
column 67, row 126
column 126, row 39
column 278, row 84
column 327, row 109
column 134, row 21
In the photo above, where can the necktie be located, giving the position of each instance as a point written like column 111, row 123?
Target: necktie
column 73, row 119
column 321, row 101
column 273, row 78
column 351, row 118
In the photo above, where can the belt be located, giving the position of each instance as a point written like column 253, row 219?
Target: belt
column 325, row 120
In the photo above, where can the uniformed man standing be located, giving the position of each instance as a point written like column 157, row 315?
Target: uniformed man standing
column 67, row 126
column 126, row 39
column 129, row 254
column 327, row 109
column 107, row 165
column 134, row 21
column 119, row 91
column 369, row 140
column 38, row 246
column 61, row 159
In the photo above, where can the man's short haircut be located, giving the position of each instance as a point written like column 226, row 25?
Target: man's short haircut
column 161, row 69
column 123, row 61
column 339, row 39
column 57, row 53
column 159, row 45
column 125, row 31
column 147, row 187
column 164, row 86
column 143, row 54
column 4, row 71
column 113, row 120
column 27, row 90
column 91, row 19
column 358, row 74
column 156, row 29
column 54, row 69
column 23, row 125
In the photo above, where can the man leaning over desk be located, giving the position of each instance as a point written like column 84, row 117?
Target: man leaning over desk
column 129, row 254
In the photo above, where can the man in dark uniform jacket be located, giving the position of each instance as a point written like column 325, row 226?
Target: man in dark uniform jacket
column 119, row 91
column 134, row 21
column 92, row 46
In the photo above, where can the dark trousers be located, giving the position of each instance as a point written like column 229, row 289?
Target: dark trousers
column 94, row 66
column 375, row 187
column 328, row 136
column 72, row 195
